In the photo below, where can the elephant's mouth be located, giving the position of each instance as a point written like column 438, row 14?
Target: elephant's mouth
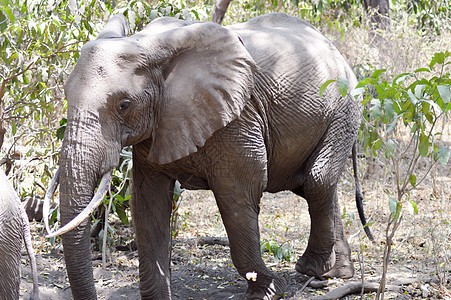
column 83, row 215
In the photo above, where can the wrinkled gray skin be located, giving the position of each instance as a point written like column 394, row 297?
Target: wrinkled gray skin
column 232, row 109
column 14, row 228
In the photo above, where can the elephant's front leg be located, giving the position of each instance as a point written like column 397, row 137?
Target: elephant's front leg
column 238, row 183
column 239, row 211
column 151, row 211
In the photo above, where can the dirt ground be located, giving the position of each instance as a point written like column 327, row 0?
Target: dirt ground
column 421, row 248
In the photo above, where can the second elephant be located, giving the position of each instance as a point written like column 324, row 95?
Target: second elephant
column 14, row 229
column 233, row 109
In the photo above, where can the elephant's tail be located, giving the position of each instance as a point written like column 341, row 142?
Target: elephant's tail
column 358, row 194
column 29, row 247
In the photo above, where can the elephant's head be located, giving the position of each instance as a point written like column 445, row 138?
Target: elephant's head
column 175, row 83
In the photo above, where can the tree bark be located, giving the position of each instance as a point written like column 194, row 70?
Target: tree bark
column 220, row 10
column 379, row 11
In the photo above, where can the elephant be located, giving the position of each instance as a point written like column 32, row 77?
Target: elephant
column 233, row 109
column 15, row 228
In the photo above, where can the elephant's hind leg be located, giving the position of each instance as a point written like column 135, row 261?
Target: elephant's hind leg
column 328, row 252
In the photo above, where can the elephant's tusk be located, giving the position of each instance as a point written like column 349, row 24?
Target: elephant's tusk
column 95, row 202
column 48, row 198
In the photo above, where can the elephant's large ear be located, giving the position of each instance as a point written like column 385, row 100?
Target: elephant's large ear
column 208, row 78
column 116, row 27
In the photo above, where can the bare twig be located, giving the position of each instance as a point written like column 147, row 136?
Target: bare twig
column 307, row 283
column 353, row 288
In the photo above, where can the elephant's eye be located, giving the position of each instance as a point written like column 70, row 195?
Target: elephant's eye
column 124, row 104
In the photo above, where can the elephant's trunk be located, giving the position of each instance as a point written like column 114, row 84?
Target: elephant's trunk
column 84, row 158
column 75, row 194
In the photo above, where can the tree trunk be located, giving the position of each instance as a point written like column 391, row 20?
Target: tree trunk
column 379, row 11
column 220, row 10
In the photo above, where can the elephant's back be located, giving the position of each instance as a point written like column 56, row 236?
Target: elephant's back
column 286, row 46
column 10, row 211
column 293, row 61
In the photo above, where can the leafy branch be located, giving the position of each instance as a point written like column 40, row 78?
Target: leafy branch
column 410, row 106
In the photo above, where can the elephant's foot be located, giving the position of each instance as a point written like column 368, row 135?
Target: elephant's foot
column 315, row 264
column 345, row 270
column 265, row 287
column 343, row 267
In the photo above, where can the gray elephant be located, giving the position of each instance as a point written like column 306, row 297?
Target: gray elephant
column 14, row 228
column 233, row 109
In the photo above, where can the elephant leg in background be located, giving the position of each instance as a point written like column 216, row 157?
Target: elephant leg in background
column 328, row 249
column 151, row 211
column 10, row 246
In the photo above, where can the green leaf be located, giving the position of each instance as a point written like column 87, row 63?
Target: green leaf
column 389, row 109
column 423, row 147
column 392, row 125
column 3, row 24
column 401, row 78
column 324, row 86
column 390, row 146
column 422, row 70
column 419, row 90
column 412, row 207
column 365, row 81
column 343, row 84
column 10, row 14
column 445, row 93
column 412, row 179
column 443, row 155
column 377, row 144
column 378, row 72
column 412, row 97
column 375, row 109
column 120, row 210
column 13, row 128
column 60, row 132
column 392, row 204
column 357, row 92
column 438, row 58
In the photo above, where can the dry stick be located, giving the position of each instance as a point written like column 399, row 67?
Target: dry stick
column 307, row 283
column 362, row 270
column 105, row 229
column 354, row 287
column 387, row 250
